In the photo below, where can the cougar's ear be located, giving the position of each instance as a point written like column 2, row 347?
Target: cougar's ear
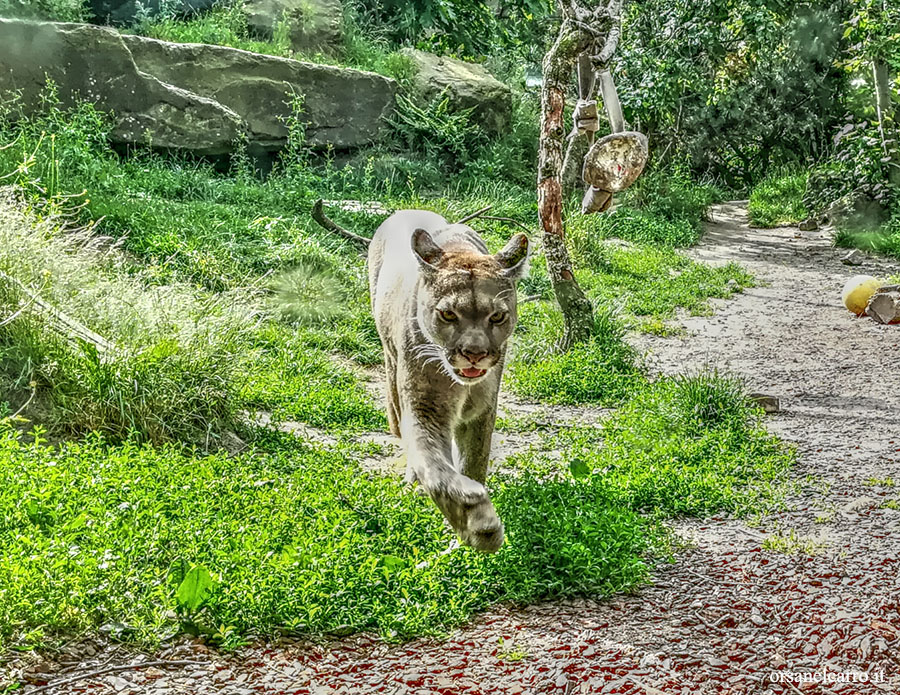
column 513, row 258
column 425, row 250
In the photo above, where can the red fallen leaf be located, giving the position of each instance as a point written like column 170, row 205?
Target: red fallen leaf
column 884, row 627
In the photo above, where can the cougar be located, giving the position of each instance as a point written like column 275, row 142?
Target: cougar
column 445, row 309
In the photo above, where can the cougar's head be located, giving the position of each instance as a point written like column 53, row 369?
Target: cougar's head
column 467, row 303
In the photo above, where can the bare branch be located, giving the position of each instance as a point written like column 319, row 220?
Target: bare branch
column 477, row 213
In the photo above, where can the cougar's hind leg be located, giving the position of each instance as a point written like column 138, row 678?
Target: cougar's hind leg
column 393, row 398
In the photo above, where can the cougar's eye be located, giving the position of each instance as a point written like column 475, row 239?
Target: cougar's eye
column 447, row 316
column 498, row 317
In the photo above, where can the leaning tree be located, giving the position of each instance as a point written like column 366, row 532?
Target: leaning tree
column 587, row 38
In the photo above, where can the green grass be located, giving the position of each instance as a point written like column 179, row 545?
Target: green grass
column 665, row 208
column 885, row 240
column 690, row 445
column 225, row 297
column 778, row 200
column 604, row 370
column 183, row 222
column 292, row 538
column 226, row 25
column 296, row 540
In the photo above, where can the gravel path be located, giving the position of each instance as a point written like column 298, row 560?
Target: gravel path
column 727, row 616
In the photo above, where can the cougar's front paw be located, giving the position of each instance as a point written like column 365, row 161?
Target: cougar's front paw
column 468, row 508
column 484, row 530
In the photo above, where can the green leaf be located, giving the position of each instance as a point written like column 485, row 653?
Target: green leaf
column 579, row 469
column 392, row 563
column 195, row 588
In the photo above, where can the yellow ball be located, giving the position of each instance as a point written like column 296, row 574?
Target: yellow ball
column 857, row 292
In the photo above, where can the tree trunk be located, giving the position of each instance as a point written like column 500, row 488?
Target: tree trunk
column 882, row 95
column 882, row 88
column 576, row 308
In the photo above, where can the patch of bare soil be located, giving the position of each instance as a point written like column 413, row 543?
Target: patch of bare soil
column 728, row 616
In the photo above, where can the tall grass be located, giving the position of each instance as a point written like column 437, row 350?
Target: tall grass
column 778, row 200
column 226, row 25
column 170, row 369
column 885, row 239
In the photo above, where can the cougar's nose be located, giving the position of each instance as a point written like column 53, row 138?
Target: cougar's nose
column 472, row 356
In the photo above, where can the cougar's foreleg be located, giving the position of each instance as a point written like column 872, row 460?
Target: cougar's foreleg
column 464, row 502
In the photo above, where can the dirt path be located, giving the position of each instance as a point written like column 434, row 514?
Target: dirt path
column 727, row 615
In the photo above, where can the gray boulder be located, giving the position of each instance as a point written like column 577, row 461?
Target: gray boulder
column 468, row 86
column 191, row 96
column 342, row 107
column 314, row 26
column 93, row 63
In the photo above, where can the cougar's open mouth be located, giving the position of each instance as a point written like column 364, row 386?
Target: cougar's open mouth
column 471, row 372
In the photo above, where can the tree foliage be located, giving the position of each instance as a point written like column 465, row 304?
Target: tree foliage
column 464, row 27
column 736, row 86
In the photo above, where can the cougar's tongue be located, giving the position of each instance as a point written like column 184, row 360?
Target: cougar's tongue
column 472, row 372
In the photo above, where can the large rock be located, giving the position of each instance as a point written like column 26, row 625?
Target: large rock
column 314, row 26
column 856, row 210
column 344, row 108
column 94, row 63
column 191, row 96
column 468, row 85
column 123, row 12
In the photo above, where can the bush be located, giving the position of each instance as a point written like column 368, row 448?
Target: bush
column 858, row 165
column 436, row 130
column 778, row 200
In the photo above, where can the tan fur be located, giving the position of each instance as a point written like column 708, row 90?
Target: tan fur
column 421, row 270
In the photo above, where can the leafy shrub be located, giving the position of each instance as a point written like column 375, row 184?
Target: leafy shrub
column 438, row 131
column 778, row 200
column 857, row 165
column 464, row 27
column 737, row 87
